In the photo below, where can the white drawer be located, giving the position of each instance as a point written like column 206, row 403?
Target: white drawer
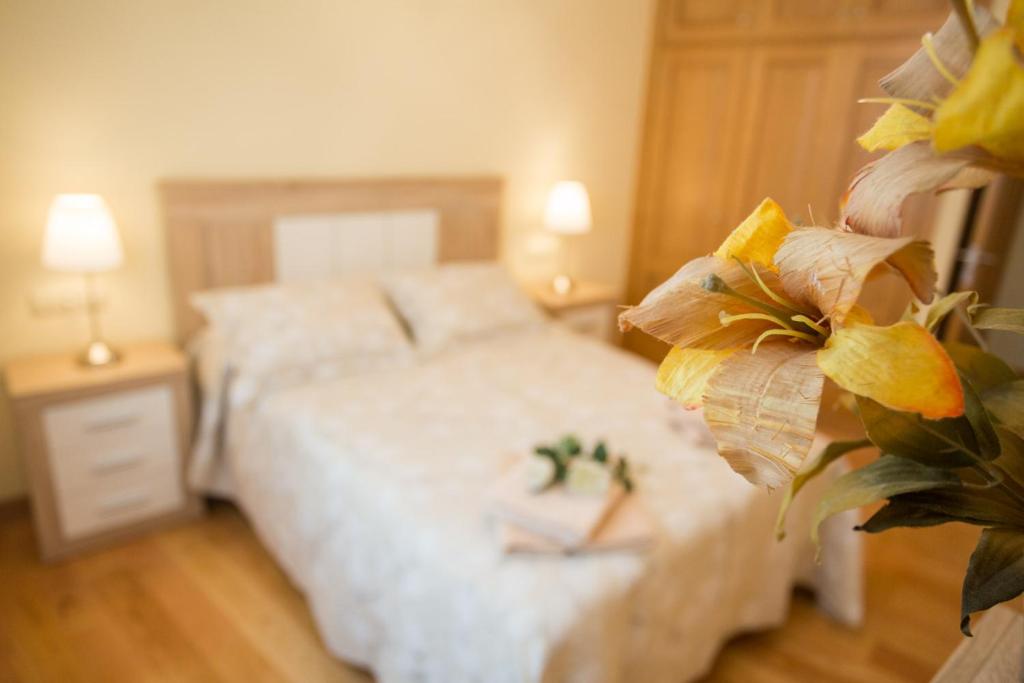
column 113, row 459
column 90, row 439
column 595, row 321
column 124, row 498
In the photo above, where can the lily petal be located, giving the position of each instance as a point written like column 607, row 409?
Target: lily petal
column 876, row 195
column 987, row 108
column 918, row 79
column 858, row 314
column 1015, row 15
column 827, row 268
column 684, row 374
column 898, row 126
column 759, row 236
column 682, row 313
column 762, row 409
column 901, row 366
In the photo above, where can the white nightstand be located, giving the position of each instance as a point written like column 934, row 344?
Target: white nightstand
column 590, row 308
column 104, row 448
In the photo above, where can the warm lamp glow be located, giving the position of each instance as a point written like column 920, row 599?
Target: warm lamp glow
column 81, row 236
column 568, row 209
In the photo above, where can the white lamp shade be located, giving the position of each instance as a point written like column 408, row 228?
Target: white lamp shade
column 81, row 236
column 568, row 208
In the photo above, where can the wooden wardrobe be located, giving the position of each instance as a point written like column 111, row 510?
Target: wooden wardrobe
column 755, row 98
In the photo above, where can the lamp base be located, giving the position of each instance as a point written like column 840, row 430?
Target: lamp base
column 562, row 284
column 98, row 354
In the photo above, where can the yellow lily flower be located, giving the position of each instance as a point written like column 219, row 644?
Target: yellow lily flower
column 758, row 325
column 956, row 117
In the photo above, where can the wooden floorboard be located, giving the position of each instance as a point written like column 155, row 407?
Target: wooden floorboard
column 205, row 602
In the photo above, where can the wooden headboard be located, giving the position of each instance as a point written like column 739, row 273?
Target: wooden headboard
column 220, row 233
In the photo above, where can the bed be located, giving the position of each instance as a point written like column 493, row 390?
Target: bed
column 369, row 487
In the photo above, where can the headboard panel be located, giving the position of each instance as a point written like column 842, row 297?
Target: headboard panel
column 220, row 233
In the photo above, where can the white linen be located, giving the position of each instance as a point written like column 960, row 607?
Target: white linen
column 266, row 336
column 223, row 386
column 459, row 301
column 208, row 472
column 286, row 327
column 370, row 489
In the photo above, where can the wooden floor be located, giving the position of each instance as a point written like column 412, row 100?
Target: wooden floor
column 205, row 602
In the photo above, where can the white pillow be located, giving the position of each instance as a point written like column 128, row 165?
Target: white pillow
column 271, row 328
column 458, row 301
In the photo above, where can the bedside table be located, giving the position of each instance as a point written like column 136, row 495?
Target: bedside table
column 104, row 448
column 590, row 308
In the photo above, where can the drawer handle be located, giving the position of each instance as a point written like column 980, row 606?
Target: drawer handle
column 116, row 462
column 124, row 501
column 118, row 422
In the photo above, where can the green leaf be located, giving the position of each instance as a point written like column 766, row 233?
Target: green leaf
column 1006, row 404
column 942, row 307
column 984, row 369
column 981, row 507
column 995, row 573
column 911, row 436
column 600, row 452
column 828, row 455
column 888, row 476
column 1011, row 460
column 992, row 318
column 556, row 458
column 899, row 512
column 985, row 436
column 570, row 445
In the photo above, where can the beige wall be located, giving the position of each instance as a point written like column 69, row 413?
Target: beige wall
column 108, row 96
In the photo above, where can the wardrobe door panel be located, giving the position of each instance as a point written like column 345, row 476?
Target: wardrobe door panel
column 919, row 11
column 703, row 14
column 689, row 162
column 790, row 142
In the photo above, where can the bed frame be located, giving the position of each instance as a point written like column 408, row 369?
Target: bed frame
column 220, row 232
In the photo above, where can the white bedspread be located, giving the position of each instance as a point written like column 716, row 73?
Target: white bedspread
column 369, row 492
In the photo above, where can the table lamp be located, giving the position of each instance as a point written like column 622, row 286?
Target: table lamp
column 81, row 237
column 567, row 213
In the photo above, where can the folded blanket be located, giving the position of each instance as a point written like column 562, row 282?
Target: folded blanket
column 628, row 526
column 569, row 519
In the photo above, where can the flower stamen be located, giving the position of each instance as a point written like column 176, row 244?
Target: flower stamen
column 804, row 320
column 929, row 48
column 786, row 333
column 752, row 273
column 921, row 104
column 727, row 319
column 713, row 283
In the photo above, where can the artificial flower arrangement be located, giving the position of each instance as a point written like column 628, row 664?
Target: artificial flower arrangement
column 758, row 325
column 566, row 462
